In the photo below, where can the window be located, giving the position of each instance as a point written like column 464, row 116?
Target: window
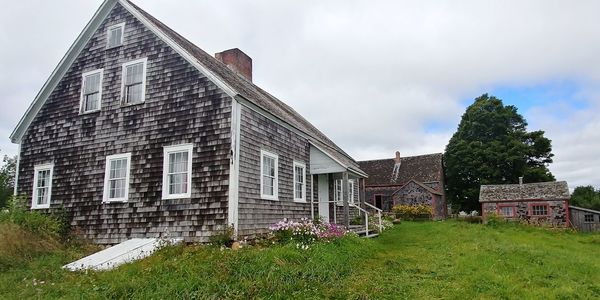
column 588, row 218
column 507, row 211
column 269, row 164
column 339, row 194
column 114, row 35
column 539, row 210
column 42, row 186
column 351, row 190
column 116, row 177
column 91, row 91
column 177, row 171
column 134, row 81
column 299, row 182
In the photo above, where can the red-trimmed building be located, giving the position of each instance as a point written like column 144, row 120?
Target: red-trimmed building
column 539, row 203
column 406, row 180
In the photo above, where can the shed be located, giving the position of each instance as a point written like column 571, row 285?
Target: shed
column 584, row 219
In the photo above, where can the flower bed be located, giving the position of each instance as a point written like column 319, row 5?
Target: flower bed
column 306, row 232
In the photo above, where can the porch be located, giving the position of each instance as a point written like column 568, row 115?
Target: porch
column 337, row 194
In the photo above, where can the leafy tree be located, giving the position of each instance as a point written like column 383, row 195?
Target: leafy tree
column 586, row 197
column 7, row 179
column 492, row 146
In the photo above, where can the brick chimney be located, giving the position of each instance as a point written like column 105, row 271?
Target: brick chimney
column 237, row 61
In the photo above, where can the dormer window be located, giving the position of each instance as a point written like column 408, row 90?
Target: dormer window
column 91, row 91
column 134, row 81
column 114, row 35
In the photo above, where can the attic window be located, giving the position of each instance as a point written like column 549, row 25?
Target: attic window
column 134, row 81
column 114, row 35
column 91, row 91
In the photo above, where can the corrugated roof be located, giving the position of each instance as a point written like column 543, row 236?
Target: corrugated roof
column 421, row 168
column 253, row 93
column 556, row 190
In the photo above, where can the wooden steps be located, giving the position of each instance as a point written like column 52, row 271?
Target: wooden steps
column 362, row 232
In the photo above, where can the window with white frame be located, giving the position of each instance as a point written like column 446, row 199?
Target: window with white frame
column 134, row 81
column 91, row 91
column 351, row 190
column 539, row 210
column 177, row 171
column 507, row 211
column 588, row 218
column 339, row 194
column 114, row 35
column 116, row 177
column 299, row 182
column 42, row 186
column 269, row 179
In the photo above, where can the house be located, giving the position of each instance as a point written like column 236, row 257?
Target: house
column 140, row 133
column 544, row 203
column 583, row 219
column 406, row 180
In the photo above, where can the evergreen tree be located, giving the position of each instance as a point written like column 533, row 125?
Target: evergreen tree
column 492, row 146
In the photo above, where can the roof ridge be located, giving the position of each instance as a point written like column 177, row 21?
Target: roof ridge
column 402, row 157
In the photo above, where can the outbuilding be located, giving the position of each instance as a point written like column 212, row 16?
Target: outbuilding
column 583, row 219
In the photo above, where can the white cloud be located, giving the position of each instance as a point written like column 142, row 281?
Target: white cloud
column 370, row 74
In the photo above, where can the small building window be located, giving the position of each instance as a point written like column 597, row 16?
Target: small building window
column 91, row 91
column 42, row 186
column 116, row 177
column 114, row 35
column 588, row 218
column 299, row 182
column 539, row 210
column 507, row 211
column 177, row 171
column 269, row 163
column 134, row 81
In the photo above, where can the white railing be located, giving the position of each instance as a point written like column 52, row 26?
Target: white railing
column 378, row 210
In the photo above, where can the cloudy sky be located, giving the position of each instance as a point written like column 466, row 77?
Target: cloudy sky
column 375, row 76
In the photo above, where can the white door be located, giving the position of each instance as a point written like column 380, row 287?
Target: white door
column 323, row 196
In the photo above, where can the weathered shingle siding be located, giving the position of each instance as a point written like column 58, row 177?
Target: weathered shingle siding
column 182, row 106
column 260, row 133
column 579, row 222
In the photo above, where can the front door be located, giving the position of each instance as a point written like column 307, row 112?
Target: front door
column 323, row 197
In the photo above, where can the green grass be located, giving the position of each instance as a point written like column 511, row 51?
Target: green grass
column 425, row 260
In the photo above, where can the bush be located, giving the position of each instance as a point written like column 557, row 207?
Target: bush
column 54, row 224
column 493, row 219
column 225, row 238
column 412, row 212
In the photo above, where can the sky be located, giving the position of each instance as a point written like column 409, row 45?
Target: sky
column 375, row 76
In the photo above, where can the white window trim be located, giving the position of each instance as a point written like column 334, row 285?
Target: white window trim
column 338, row 198
column 303, row 166
column 166, row 151
column 123, row 76
column 36, row 169
column 81, row 97
column 275, row 195
column 351, row 191
column 122, row 25
column 105, row 198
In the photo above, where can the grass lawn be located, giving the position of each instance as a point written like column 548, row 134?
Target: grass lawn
column 413, row 260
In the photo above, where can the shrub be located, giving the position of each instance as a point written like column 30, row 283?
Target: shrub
column 386, row 223
column 54, row 224
column 411, row 212
column 493, row 219
column 224, row 238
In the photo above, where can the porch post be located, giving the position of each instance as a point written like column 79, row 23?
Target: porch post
column 361, row 192
column 312, row 196
column 345, row 197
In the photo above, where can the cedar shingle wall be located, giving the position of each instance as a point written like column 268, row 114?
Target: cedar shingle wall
column 181, row 106
column 256, row 133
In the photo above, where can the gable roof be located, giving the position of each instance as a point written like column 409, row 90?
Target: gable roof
column 421, row 185
column 218, row 72
column 421, row 168
column 556, row 190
